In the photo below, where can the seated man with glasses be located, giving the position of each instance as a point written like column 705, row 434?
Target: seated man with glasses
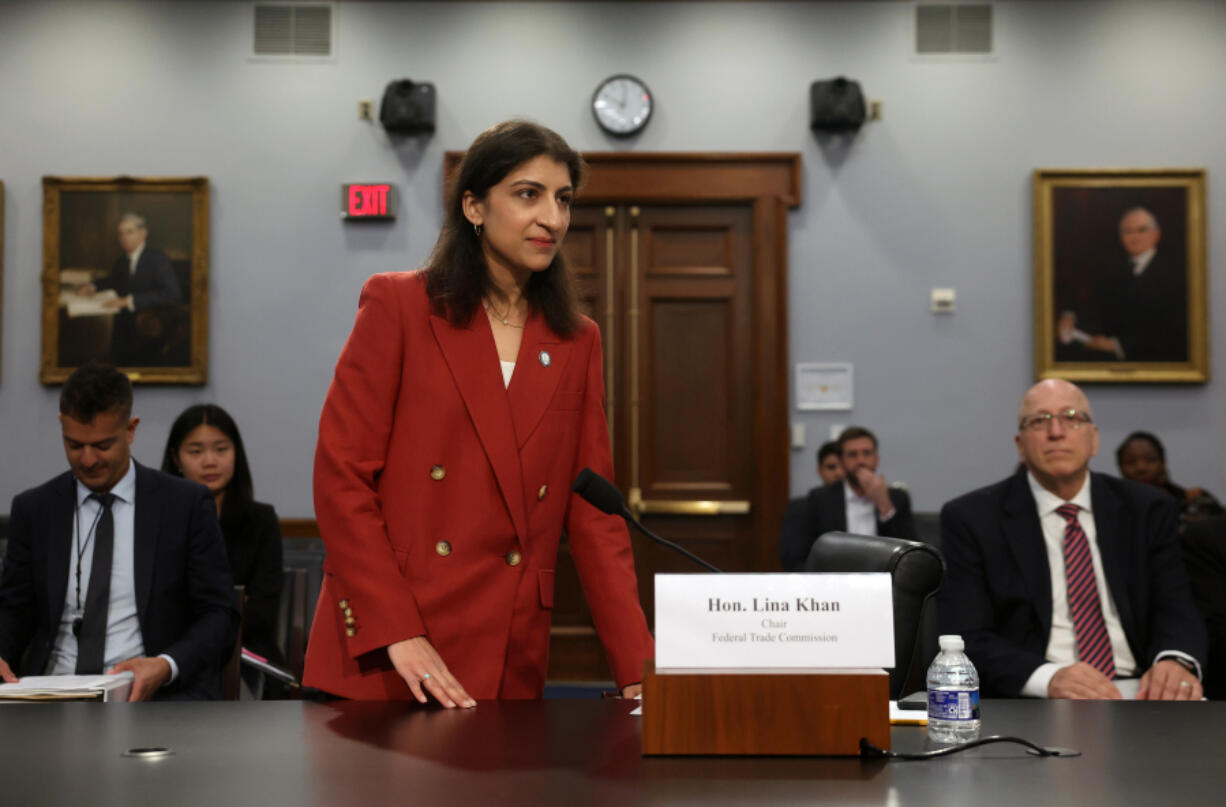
column 1064, row 582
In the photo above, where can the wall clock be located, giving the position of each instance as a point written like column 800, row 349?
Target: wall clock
column 622, row 105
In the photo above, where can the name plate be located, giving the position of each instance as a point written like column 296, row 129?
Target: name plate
column 786, row 622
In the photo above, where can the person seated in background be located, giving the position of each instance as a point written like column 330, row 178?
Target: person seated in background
column 1204, row 550
column 829, row 466
column 204, row 446
column 113, row 566
column 1142, row 458
column 861, row 503
column 1062, row 581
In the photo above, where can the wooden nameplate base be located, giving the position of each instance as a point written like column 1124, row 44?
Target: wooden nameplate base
column 763, row 714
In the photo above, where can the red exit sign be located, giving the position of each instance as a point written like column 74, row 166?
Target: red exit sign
column 368, row 201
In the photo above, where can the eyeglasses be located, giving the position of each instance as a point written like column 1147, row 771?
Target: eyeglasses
column 1069, row 418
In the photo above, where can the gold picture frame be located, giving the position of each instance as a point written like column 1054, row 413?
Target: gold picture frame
column 1, row 267
column 1120, row 275
column 126, row 277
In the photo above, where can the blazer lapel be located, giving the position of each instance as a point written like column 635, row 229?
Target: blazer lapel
column 473, row 361
column 1023, row 536
column 538, row 369
column 59, row 545
column 145, row 528
column 1108, row 522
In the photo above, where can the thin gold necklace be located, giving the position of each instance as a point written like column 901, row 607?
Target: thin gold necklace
column 505, row 319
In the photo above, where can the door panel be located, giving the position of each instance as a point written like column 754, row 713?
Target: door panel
column 681, row 261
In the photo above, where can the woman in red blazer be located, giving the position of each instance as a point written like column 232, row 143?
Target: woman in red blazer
column 442, row 485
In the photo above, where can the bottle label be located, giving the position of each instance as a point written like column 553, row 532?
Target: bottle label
column 953, row 704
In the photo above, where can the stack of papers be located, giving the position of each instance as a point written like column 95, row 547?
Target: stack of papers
column 109, row 688
column 907, row 717
column 92, row 306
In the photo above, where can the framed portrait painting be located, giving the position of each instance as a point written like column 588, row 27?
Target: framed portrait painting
column 1, row 260
column 1120, row 275
column 125, row 277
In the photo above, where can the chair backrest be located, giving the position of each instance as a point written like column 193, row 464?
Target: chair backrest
column 231, row 681
column 308, row 554
column 293, row 622
column 916, row 570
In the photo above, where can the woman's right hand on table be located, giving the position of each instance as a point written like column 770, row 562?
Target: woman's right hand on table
column 421, row 667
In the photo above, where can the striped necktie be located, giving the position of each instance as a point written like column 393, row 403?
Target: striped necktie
column 1093, row 643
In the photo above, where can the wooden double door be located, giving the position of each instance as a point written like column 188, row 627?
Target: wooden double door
column 681, row 260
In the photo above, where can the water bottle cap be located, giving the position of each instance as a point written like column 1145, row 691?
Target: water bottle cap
column 951, row 643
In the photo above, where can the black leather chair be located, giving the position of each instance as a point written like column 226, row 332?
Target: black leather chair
column 916, row 570
column 231, row 685
column 293, row 623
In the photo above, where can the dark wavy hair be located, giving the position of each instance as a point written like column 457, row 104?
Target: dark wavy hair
column 826, row 449
column 240, row 493
column 853, row 432
column 457, row 276
column 1145, row 437
column 94, row 389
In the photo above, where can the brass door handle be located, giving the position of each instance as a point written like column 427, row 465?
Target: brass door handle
column 686, row 507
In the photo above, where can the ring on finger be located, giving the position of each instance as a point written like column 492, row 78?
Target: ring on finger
column 1184, row 684
column 425, row 676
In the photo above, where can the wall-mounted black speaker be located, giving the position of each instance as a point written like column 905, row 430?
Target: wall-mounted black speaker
column 836, row 105
column 408, row 107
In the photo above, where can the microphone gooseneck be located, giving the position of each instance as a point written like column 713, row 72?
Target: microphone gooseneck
column 605, row 497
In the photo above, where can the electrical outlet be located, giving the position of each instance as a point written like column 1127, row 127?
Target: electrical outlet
column 944, row 301
column 874, row 110
column 366, row 109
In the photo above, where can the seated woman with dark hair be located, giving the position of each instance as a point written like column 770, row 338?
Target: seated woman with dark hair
column 1142, row 458
column 204, row 446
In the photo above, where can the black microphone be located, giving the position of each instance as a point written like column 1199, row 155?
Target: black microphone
column 605, row 497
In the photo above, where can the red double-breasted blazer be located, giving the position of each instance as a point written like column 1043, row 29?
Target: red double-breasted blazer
column 441, row 496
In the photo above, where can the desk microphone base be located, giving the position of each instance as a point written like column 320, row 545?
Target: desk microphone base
column 764, row 714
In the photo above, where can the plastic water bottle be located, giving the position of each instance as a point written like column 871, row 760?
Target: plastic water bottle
column 953, row 694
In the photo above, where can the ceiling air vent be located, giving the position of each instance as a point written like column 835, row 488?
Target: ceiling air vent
column 293, row 29
column 954, row 28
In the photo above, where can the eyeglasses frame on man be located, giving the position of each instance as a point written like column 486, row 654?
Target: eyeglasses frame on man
column 1069, row 418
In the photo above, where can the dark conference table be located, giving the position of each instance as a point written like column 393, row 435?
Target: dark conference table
column 577, row 752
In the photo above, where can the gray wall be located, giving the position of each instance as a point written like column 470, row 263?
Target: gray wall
column 936, row 194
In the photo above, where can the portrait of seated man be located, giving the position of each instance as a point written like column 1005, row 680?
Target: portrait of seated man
column 1140, row 308
column 145, row 288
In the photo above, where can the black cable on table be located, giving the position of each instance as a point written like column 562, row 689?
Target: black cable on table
column 870, row 751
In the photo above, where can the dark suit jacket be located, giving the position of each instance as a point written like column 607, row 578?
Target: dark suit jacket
column 152, row 284
column 184, row 595
column 997, row 590
column 1148, row 314
column 824, row 510
column 1204, row 549
column 253, row 544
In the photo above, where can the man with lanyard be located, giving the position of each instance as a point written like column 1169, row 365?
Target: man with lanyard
column 113, row 566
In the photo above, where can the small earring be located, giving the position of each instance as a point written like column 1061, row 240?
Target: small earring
column 477, row 229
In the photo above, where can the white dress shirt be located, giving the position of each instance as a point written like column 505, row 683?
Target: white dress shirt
column 1141, row 262
column 123, row 636
column 134, row 259
column 861, row 512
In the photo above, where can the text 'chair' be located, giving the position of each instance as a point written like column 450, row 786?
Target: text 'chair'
column 915, row 570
